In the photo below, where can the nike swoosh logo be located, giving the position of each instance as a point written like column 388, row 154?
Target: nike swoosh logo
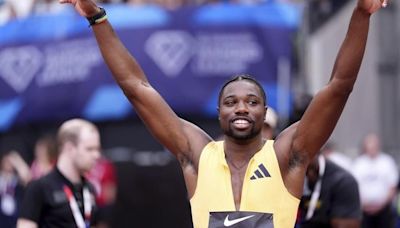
column 228, row 223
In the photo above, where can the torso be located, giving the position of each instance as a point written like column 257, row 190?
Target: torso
column 237, row 177
column 254, row 190
column 47, row 196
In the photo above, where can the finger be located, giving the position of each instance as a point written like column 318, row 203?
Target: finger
column 384, row 3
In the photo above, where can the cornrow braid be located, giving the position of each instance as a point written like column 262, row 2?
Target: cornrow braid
column 241, row 77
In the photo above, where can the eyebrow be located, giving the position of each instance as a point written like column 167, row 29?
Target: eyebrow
column 247, row 95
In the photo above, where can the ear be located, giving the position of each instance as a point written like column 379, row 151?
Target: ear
column 218, row 112
column 69, row 147
column 266, row 110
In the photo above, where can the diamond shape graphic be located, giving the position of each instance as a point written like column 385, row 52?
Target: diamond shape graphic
column 171, row 50
column 19, row 65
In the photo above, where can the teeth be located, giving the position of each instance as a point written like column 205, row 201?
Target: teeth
column 241, row 121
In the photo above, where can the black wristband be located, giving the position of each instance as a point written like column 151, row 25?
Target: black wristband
column 98, row 18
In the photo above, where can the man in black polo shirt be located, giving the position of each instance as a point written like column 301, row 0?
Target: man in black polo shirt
column 64, row 198
column 331, row 197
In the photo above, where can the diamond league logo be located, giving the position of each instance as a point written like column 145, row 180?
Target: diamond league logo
column 170, row 50
column 19, row 65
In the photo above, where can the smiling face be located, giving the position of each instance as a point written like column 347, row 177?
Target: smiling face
column 241, row 110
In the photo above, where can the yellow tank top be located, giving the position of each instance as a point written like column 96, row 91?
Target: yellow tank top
column 265, row 201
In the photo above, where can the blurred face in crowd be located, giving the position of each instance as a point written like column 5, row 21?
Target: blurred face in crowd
column 241, row 110
column 86, row 152
column 371, row 145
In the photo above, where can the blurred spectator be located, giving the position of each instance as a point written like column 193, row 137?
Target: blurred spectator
column 14, row 175
column 47, row 6
column 168, row 4
column 270, row 124
column 11, row 9
column 45, row 152
column 64, row 198
column 103, row 178
column 330, row 152
column 330, row 198
column 377, row 175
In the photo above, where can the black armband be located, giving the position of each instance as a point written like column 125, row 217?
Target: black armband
column 98, row 18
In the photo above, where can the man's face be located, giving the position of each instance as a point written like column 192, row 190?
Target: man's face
column 242, row 110
column 371, row 145
column 87, row 150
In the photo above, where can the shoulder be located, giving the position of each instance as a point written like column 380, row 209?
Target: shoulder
column 339, row 177
column 35, row 189
column 386, row 158
column 34, row 185
column 49, row 182
column 288, row 154
column 213, row 148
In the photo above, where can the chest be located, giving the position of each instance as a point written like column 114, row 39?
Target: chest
column 237, row 179
column 246, row 187
column 61, row 209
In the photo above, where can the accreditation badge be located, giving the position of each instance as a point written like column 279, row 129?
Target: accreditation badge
column 8, row 204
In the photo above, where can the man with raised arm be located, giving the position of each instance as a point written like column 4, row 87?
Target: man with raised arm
column 243, row 180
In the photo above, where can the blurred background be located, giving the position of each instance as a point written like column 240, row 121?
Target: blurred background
column 51, row 70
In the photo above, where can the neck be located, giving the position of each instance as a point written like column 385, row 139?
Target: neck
column 68, row 170
column 242, row 151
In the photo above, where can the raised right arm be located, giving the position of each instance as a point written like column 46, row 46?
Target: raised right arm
column 182, row 138
column 299, row 143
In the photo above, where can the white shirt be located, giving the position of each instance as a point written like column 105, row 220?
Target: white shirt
column 375, row 176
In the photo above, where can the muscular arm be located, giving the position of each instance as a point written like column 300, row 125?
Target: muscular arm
column 324, row 111
column 298, row 145
column 182, row 138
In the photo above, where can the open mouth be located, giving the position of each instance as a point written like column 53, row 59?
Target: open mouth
column 241, row 123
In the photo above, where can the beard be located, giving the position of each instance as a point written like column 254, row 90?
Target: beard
column 230, row 132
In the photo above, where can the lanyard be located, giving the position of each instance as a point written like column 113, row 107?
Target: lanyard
column 317, row 189
column 87, row 207
column 7, row 185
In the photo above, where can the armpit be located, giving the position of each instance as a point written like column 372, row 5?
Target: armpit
column 296, row 159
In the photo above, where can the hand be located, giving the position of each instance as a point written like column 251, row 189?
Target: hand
column 86, row 8
column 371, row 6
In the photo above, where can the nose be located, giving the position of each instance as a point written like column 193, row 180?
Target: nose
column 241, row 108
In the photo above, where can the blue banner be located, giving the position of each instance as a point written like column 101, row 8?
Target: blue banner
column 51, row 68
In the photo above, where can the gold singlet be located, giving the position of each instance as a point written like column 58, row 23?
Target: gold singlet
column 265, row 201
